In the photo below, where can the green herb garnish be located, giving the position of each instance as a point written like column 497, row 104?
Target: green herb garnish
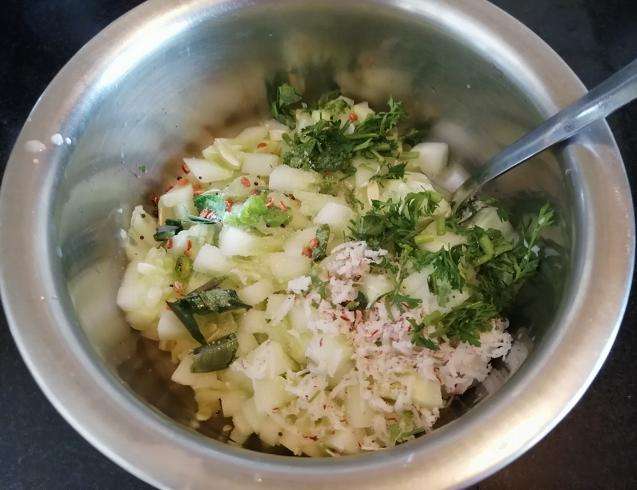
column 286, row 101
column 257, row 213
column 322, row 237
column 392, row 225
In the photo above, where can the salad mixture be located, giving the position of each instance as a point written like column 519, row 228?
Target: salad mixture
column 313, row 285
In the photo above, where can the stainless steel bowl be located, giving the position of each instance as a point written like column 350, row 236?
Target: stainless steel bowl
column 160, row 81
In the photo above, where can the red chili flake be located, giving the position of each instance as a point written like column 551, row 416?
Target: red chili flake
column 229, row 205
column 283, row 206
column 188, row 247
column 321, row 342
column 314, row 243
column 269, row 203
column 263, row 144
column 169, row 244
column 344, row 317
column 245, row 182
column 307, row 251
column 185, row 168
column 181, row 181
column 352, row 116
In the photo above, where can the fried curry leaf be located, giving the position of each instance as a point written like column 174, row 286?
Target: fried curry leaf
column 203, row 302
column 216, row 355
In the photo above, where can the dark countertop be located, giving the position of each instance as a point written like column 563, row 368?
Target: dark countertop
column 593, row 447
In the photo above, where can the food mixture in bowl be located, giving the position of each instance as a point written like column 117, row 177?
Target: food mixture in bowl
column 313, row 284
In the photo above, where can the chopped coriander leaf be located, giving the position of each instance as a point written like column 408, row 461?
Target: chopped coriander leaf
column 465, row 322
column 257, row 213
column 286, row 101
column 416, row 335
column 499, row 279
column 329, row 145
column 394, row 172
column 323, row 147
column 446, row 272
column 392, row 225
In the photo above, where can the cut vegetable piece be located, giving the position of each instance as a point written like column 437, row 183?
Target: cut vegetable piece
column 365, row 170
column 344, row 441
column 298, row 241
column 170, row 327
column 235, row 241
column 225, row 150
column 256, row 293
column 362, row 111
column 231, row 402
column 488, row 218
column 207, row 172
column 278, row 306
column 259, row 163
column 313, row 202
column 179, row 195
column 285, row 267
column 376, row 285
column 337, row 216
column 247, row 343
column 254, row 321
column 268, row 360
column 252, row 416
column 293, row 441
column 249, row 138
column 242, row 428
column 269, row 431
column 425, row 392
column 359, row 413
column 432, row 157
column 210, row 260
column 429, row 239
column 331, row 354
column 184, row 376
column 270, row 394
column 241, row 188
column 288, row 179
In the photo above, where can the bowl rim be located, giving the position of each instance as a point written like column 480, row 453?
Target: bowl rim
column 157, row 450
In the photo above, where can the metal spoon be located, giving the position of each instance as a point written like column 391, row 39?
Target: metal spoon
column 607, row 97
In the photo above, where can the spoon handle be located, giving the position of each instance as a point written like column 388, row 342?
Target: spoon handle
column 613, row 93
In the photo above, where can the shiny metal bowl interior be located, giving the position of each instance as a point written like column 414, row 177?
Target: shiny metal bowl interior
column 166, row 78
